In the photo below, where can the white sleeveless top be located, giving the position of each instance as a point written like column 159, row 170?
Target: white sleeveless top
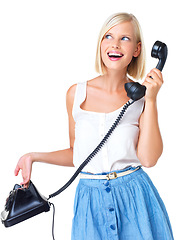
column 119, row 151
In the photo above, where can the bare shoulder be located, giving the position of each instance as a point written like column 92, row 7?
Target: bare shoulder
column 92, row 83
column 71, row 91
column 69, row 105
column 70, row 96
column 95, row 82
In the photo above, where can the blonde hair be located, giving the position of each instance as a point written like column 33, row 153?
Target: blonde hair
column 136, row 68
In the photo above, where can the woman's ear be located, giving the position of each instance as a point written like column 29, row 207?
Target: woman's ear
column 137, row 50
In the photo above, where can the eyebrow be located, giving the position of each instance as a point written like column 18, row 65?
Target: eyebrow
column 124, row 34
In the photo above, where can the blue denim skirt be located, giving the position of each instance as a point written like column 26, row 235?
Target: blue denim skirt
column 125, row 208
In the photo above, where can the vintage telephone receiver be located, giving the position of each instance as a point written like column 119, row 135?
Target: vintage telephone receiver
column 135, row 90
column 24, row 203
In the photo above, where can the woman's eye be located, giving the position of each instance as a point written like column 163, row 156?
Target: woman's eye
column 108, row 36
column 125, row 38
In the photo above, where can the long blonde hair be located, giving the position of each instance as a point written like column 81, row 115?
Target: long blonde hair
column 136, row 68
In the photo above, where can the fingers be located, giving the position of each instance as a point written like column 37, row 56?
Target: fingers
column 16, row 171
column 25, row 176
column 26, row 179
column 26, row 172
column 157, row 71
column 155, row 76
column 26, row 185
column 25, row 165
column 153, row 83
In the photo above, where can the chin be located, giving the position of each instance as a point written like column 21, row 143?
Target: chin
column 115, row 69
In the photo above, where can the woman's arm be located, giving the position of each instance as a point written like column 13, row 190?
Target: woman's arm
column 61, row 157
column 150, row 145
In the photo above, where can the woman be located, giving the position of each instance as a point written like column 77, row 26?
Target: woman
column 124, row 204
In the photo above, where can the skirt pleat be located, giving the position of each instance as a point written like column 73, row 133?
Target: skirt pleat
column 126, row 208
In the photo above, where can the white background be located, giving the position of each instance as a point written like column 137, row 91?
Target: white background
column 45, row 47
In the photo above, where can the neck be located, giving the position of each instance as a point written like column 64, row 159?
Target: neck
column 114, row 80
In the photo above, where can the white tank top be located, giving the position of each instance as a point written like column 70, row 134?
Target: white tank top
column 119, row 151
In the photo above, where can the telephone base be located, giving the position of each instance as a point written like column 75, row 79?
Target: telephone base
column 23, row 204
column 19, row 218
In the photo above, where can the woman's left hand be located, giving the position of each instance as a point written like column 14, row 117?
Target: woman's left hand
column 153, row 83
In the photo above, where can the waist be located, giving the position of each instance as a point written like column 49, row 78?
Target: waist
column 110, row 175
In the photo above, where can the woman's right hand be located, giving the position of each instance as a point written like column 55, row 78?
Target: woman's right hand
column 25, row 165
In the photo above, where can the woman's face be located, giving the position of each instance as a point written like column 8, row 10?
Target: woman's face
column 119, row 46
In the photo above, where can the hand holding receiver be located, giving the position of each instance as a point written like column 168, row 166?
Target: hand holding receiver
column 153, row 83
column 134, row 90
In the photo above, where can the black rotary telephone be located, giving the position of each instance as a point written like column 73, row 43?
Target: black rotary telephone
column 24, row 203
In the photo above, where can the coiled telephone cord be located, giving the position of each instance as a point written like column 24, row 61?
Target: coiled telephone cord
column 88, row 159
column 96, row 150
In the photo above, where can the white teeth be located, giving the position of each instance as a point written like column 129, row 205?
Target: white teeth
column 114, row 54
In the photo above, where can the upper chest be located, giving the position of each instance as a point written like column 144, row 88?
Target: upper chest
column 98, row 100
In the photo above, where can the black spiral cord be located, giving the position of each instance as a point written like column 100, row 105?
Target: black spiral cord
column 88, row 159
column 96, row 150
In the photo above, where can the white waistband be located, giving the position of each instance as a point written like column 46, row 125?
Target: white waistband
column 109, row 176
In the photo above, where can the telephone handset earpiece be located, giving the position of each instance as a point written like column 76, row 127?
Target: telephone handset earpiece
column 160, row 51
column 134, row 90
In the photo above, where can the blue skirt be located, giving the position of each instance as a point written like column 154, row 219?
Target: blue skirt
column 126, row 208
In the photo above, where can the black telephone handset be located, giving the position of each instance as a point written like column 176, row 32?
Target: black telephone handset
column 135, row 90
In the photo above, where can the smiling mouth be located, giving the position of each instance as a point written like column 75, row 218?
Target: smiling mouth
column 114, row 56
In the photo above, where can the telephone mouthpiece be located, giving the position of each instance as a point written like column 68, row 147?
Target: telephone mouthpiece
column 135, row 90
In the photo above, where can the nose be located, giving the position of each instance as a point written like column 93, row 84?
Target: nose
column 116, row 45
